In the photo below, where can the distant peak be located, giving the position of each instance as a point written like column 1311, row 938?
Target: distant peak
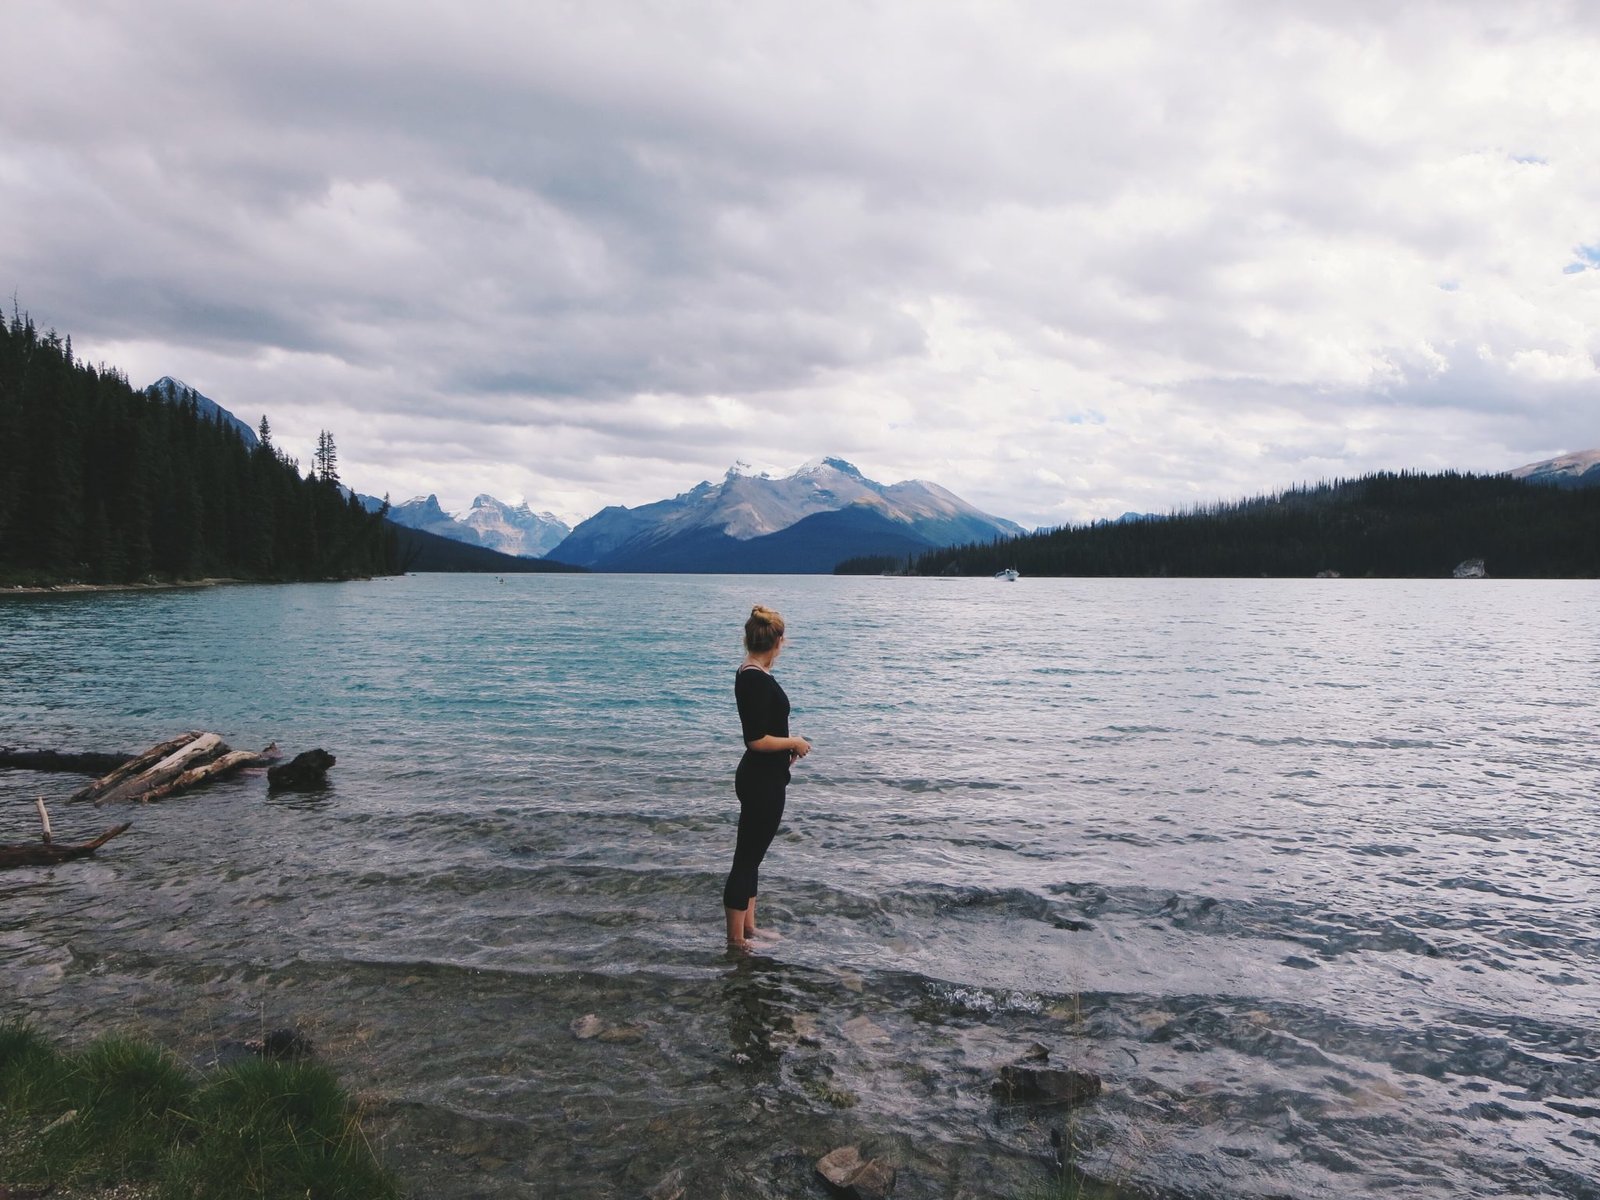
column 818, row 465
column 743, row 470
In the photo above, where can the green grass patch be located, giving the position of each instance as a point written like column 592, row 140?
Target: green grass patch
column 126, row 1111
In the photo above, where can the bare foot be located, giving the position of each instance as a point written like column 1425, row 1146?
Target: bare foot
column 763, row 935
column 741, row 947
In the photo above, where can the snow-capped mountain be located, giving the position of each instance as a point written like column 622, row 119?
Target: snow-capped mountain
column 509, row 528
column 822, row 513
column 1581, row 469
column 514, row 528
column 175, row 391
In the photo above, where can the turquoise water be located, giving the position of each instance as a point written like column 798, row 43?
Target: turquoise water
column 1302, row 868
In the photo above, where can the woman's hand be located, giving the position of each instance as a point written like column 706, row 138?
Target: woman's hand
column 800, row 749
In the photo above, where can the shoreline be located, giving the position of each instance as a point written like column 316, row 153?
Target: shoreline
column 60, row 589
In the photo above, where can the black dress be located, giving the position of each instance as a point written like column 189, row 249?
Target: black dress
column 760, row 780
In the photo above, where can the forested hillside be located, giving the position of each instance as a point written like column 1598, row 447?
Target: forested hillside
column 1384, row 525
column 102, row 484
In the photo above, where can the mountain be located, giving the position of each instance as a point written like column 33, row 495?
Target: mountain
column 801, row 523
column 175, row 391
column 508, row 528
column 1581, row 469
column 424, row 513
column 514, row 528
column 419, row 550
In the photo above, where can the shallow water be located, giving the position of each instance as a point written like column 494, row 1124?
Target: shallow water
column 1303, row 869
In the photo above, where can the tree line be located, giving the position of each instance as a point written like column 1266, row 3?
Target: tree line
column 1393, row 525
column 101, row 483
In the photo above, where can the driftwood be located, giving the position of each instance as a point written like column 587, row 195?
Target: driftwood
column 196, row 753
column 217, row 768
column 57, row 760
column 134, row 766
column 46, row 853
column 173, row 767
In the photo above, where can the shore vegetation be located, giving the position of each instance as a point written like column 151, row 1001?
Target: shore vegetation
column 124, row 1114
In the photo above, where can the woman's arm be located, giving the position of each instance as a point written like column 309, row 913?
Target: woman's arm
column 771, row 743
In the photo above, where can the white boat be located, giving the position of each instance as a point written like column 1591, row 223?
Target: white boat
column 1009, row 574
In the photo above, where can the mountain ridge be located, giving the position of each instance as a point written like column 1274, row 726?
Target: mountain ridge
column 1581, row 468
column 692, row 530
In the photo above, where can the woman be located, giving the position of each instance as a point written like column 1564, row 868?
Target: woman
column 763, row 771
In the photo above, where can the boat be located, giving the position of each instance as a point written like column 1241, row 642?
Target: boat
column 1009, row 574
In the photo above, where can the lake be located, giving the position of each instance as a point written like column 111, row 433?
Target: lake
column 1303, row 869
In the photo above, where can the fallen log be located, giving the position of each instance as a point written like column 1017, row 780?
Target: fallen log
column 141, row 762
column 48, row 854
column 201, row 750
column 59, row 760
column 217, row 768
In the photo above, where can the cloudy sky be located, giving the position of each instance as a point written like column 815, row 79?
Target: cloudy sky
column 1066, row 259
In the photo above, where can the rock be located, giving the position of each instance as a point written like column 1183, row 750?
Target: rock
column 284, row 1045
column 853, row 1176
column 623, row 1033
column 1054, row 1085
column 306, row 772
column 840, row 1166
column 1328, row 575
column 1471, row 568
column 874, row 1181
column 863, row 1031
column 586, row 1027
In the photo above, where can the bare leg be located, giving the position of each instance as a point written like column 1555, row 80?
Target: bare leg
column 750, row 930
column 736, row 938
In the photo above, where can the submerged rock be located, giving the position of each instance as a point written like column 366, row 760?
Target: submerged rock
column 864, row 1031
column 1029, row 1078
column 591, row 1026
column 850, row 1175
column 1055, row 1085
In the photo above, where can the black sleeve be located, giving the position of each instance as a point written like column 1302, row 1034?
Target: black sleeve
column 753, row 692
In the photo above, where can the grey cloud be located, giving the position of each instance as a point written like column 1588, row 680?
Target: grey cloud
column 508, row 215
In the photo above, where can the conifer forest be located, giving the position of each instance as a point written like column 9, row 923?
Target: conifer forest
column 102, row 483
column 1388, row 525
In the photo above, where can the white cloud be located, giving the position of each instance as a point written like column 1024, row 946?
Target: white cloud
column 1066, row 260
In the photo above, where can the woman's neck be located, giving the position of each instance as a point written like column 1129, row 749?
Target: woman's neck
column 764, row 661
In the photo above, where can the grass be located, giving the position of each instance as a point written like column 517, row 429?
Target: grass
column 124, row 1111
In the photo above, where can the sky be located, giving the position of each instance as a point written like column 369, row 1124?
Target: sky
column 1067, row 260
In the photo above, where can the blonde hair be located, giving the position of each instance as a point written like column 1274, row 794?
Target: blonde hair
column 763, row 630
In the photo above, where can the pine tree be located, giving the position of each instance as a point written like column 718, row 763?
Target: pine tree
column 326, row 459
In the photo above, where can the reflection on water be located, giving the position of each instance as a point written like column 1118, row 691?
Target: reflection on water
column 1304, row 870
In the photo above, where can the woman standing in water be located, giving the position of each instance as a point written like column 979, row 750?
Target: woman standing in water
column 763, row 772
